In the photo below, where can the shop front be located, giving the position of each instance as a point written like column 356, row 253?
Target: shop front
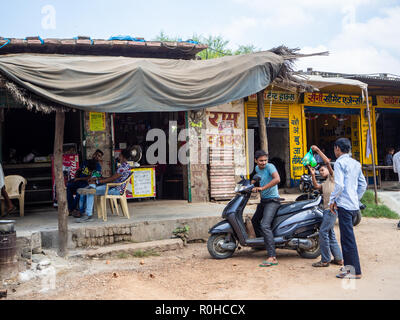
column 387, row 113
column 156, row 170
column 279, row 107
column 329, row 116
column 27, row 140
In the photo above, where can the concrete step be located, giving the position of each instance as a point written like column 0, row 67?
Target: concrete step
column 128, row 248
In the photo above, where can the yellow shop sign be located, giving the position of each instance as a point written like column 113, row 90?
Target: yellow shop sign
column 388, row 101
column 276, row 96
column 333, row 99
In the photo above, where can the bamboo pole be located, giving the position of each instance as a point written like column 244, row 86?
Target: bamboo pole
column 372, row 147
column 60, row 185
column 261, row 121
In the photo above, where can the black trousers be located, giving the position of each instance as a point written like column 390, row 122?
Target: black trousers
column 348, row 240
column 262, row 223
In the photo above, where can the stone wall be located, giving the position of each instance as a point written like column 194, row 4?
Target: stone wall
column 131, row 232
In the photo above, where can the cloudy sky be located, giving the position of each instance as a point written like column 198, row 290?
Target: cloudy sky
column 363, row 36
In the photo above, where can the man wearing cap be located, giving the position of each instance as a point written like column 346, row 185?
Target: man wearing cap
column 350, row 186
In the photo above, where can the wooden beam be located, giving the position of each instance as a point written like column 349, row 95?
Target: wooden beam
column 262, row 128
column 60, row 185
column 372, row 146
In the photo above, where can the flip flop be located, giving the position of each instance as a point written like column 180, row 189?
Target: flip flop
column 346, row 275
column 12, row 210
column 268, row 264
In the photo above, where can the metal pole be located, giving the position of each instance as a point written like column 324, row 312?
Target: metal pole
column 188, row 165
column 372, row 146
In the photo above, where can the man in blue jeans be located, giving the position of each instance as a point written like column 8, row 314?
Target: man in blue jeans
column 350, row 186
column 270, row 202
column 98, row 185
column 81, row 181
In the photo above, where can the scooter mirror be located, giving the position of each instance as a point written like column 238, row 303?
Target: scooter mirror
column 256, row 178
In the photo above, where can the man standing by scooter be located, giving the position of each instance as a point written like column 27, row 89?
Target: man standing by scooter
column 350, row 186
column 270, row 202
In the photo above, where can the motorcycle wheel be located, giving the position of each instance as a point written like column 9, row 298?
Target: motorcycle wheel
column 357, row 218
column 312, row 253
column 214, row 246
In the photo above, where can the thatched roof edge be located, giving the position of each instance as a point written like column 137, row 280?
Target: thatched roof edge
column 32, row 101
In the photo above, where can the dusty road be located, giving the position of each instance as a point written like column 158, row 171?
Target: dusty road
column 190, row 273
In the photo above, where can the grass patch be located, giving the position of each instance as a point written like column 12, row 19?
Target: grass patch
column 137, row 254
column 123, row 255
column 376, row 210
column 148, row 253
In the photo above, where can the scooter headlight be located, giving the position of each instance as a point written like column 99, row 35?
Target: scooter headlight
column 239, row 188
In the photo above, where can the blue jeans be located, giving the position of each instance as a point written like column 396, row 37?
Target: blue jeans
column 327, row 238
column 72, row 186
column 348, row 240
column 89, row 198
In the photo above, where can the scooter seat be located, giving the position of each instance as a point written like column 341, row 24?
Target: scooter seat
column 293, row 207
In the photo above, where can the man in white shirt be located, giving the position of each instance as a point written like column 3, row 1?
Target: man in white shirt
column 396, row 168
column 396, row 164
column 350, row 185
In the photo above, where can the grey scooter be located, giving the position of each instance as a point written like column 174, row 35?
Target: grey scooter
column 295, row 226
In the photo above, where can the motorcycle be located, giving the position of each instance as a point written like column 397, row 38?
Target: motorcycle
column 306, row 186
column 295, row 226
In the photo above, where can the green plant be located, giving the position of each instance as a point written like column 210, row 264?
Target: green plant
column 217, row 46
column 123, row 255
column 146, row 253
column 376, row 210
column 182, row 232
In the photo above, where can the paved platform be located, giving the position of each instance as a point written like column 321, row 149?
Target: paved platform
column 150, row 220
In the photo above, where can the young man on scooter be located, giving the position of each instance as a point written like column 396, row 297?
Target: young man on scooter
column 270, row 202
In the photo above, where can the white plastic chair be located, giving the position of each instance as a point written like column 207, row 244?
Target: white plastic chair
column 101, row 201
column 14, row 191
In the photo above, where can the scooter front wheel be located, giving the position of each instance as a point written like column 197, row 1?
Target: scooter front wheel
column 313, row 252
column 214, row 246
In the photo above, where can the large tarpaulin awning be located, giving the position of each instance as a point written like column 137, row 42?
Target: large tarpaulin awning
column 122, row 84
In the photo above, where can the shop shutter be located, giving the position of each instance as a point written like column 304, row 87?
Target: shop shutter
column 221, row 173
column 277, row 111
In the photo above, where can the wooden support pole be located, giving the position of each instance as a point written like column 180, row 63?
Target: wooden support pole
column 372, row 147
column 261, row 121
column 60, row 185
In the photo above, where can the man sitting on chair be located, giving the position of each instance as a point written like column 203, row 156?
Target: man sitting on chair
column 123, row 173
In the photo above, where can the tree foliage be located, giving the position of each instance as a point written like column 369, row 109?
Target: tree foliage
column 217, row 45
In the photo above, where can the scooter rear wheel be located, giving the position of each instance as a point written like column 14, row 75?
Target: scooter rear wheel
column 214, row 246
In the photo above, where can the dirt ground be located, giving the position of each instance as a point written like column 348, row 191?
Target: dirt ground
column 190, row 273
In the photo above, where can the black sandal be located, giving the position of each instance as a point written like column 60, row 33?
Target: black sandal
column 320, row 264
column 337, row 262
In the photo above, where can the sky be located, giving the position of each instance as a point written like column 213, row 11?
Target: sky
column 362, row 36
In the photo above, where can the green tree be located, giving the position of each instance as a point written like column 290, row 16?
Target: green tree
column 246, row 49
column 217, row 45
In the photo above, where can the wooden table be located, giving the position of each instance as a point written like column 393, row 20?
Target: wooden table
column 368, row 167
